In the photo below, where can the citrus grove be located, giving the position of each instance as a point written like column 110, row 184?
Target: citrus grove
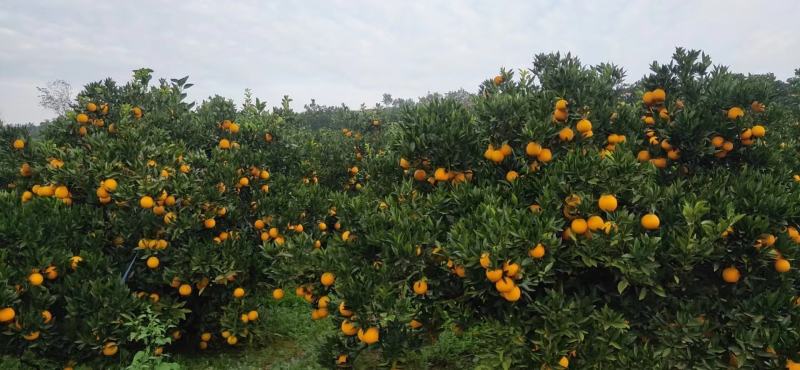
column 563, row 218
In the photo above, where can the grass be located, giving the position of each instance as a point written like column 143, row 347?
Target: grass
column 295, row 342
column 292, row 345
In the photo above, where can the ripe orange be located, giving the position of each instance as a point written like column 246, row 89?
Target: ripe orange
column 34, row 335
column 727, row 146
column 35, row 279
column 648, row 98
column 91, row 107
column 566, row 134
column 370, row 336
column 484, row 260
column 277, row 294
column 404, row 164
column 782, row 265
column 420, row 175
column 496, row 156
column 74, row 261
column 494, row 275
column 238, row 293
column 561, row 104
column 746, row 134
column 607, row 203
column 327, row 279
column 731, row 275
column 659, row 95
column 110, row 349
column 759, row 131
column 674, row 154
column 146, row 202
column 663, row 113
column 252, row 315
column 440, row 174
column 209, row 223
column 510, row 269
column 46, row 191
column 414, row 324
column 152, row 262
column 348, row 328
column 584, row 125
column 46, row 316
column 420, row 287
column 595, row 223
column 232, row 340
column 506, row 149
column 545, row 155
column 169, row 217
column 563, row 362
column 537, row 252
column 61, row 192
column 504, row 285
column 735, row 113
column 82, row 118
column 511, row 176
column 660, row 162
column 650, row 221
column 344, row 311
column 51, row 272
column 579, row 226
column 110, row 185
column 19, row 144
column 185, row 290
column 512, row 295
column 560, row 115
column 323, row 302
column 159, row 210
column 533, row 149
column 487, row 154
column 7, row 314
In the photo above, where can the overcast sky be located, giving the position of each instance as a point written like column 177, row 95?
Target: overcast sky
column 353, row 51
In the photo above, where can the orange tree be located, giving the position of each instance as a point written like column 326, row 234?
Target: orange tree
column 137, row 203
column 558, row 218
column 605, row 225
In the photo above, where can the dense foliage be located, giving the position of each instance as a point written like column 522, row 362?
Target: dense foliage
column 559, row 217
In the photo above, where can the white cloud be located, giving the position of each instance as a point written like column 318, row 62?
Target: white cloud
column 353, row 51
